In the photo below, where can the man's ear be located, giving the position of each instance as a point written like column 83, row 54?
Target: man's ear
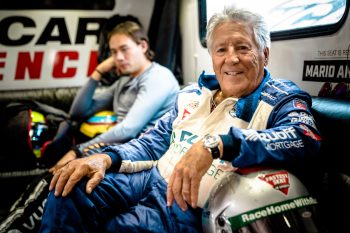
column 144, row 45
column 266, row 56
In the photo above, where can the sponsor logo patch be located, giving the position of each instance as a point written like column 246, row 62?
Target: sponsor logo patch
column 288, row 133
column 302, row 117
column 232, row 113
column 309, row 133
column 269, row 210
column 276, row 140
column 279, row 181
column 268, row 95
column 299, row 104
column 189, row 108
column 193, row 105
column 185, row 114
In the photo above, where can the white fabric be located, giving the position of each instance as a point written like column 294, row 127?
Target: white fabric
column 194, row 121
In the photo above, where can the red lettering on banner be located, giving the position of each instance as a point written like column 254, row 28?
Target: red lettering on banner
column 2, row 64
column 30, row 64
column 92, row 63
column 58, row 71
column 24, row 63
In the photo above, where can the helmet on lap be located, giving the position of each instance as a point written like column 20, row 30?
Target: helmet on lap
column 264, row 201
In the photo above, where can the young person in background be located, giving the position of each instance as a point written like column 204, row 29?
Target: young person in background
column 145, row 91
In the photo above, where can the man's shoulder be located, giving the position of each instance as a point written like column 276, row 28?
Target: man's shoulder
column 156, row 67
column 158, row 71
column 282, row 85
column 275, row 90
column 191, row 88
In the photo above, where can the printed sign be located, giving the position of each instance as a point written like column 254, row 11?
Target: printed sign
column 327, row 71
column 279, row 181
column 281, row 207
column 49, row 48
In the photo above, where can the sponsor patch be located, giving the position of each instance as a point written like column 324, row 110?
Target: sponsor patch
column 268, row 95
column 287, row 133
column 193, row 105
column 232, row 113
column 299, row 104
column 309, row 133
column 278, row 180
column 247, row 218
column 188, row 109
column 285, row 145
column 302, row 117
column 185, row 114
column 276, row 140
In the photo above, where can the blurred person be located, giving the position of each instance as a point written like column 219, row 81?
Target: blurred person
column 145, row 91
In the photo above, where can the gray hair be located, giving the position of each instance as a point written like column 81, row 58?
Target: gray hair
column 260, row 27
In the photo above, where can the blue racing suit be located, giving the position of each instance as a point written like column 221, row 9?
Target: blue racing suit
column 271, row 126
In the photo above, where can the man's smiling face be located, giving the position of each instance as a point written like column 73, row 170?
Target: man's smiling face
column 237, row 61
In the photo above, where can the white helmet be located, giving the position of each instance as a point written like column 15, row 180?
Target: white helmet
column 264, row 201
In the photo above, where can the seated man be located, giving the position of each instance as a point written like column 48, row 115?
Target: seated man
column 144, row 92
column 238, row 118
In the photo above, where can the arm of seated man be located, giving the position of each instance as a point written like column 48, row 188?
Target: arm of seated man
column 94, row 167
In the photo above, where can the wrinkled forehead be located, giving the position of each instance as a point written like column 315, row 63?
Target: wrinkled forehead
column 233, row 30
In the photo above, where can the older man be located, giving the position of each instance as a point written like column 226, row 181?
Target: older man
column 240, row 117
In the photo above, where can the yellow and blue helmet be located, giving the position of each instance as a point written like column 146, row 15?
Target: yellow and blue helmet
column 38, row 132
column 99, row 123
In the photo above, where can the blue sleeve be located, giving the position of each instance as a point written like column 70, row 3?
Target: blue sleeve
column 86, row 103
column 291, row 136
column 151, row 146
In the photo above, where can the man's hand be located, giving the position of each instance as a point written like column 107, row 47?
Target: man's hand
column 184, row 181
column 68, row 176
column 70, row 155
column 104, row 67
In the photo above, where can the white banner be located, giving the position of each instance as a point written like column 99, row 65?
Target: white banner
column 55, row 48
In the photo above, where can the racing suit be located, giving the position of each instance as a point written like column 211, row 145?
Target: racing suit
column 271, row 126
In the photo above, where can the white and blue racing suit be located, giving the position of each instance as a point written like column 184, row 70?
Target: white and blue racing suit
column 272, row 126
